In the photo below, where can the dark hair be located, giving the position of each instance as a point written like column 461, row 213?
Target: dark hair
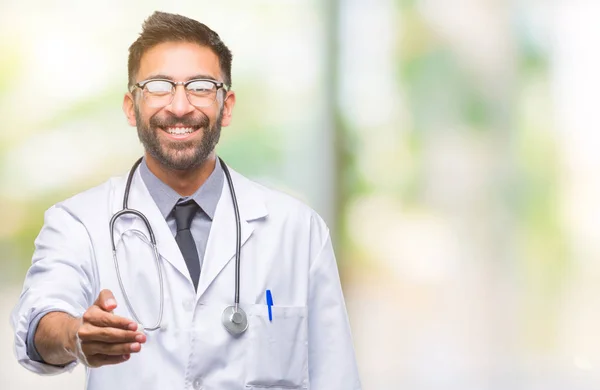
column 163, row 27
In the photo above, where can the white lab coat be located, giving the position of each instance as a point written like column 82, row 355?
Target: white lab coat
column 286, row 248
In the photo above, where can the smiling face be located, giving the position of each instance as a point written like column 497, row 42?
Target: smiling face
column 178, row 135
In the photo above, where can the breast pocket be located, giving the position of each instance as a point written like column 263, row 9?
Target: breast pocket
column 277, row 354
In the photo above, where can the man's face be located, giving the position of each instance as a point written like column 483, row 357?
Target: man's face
column 165, row 131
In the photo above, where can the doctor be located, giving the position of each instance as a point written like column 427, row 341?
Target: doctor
column 144, row 319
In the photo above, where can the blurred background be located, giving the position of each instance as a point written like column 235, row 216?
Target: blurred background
column 452, row 146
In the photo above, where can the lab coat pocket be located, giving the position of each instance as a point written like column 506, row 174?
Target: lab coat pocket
column 277, row 353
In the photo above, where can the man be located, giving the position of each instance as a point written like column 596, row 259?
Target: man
column 96, row 294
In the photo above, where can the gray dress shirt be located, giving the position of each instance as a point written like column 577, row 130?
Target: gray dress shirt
column 207, row 197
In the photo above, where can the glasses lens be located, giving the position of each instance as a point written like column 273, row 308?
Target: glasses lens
column 201, row 93
column 158, row 93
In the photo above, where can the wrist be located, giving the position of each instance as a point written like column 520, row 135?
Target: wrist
column 71, row 340
column 56, row 338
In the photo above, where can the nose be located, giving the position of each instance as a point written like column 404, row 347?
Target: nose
column 180, row 105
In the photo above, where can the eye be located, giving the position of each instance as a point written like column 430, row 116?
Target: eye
column 201, row 87
column 158, row 87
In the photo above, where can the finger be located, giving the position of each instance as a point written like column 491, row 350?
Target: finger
column 105, row 360
column 106, row 300
column 96, row 316
column 99, row 348
column 89, row 332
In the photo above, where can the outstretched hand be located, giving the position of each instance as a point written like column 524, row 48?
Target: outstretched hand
column 103, row 338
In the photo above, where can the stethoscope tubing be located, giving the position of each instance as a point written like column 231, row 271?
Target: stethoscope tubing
column 126, row 210
column 238, row 233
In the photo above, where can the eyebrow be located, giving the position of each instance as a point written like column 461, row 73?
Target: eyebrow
column 167, row 77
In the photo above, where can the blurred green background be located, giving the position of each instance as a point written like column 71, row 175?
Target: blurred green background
column 452, row 147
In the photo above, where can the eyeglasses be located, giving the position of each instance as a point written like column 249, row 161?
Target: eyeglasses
column 160, row 92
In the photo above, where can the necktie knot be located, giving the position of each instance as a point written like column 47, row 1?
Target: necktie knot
column 184, row 214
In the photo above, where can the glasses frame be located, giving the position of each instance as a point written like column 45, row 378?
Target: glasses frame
column 217, row 84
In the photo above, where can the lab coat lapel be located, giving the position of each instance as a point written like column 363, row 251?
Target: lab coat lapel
column 141, row 200
column 221, row 244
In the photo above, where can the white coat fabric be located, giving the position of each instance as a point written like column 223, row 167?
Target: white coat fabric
column 286, row 248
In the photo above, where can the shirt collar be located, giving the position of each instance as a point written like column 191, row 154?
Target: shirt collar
column 207, row 196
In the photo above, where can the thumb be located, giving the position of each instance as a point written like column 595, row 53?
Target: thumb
column 106, row 301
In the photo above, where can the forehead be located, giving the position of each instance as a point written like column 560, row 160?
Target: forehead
column 180, row 61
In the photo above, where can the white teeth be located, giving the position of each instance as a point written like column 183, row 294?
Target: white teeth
column 179, row 130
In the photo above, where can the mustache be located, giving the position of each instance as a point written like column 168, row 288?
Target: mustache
column 186, row 121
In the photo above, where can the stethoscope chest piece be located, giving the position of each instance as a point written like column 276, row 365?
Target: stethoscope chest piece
column 234, row 320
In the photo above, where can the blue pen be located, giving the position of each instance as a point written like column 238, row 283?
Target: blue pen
column 269, row 304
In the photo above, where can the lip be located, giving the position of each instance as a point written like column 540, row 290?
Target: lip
column 179, row 137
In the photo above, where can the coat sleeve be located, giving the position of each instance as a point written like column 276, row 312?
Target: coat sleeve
column 331, row 359
column 60, row 278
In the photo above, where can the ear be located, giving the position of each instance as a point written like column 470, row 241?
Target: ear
column 129, row 108
column 228, row 104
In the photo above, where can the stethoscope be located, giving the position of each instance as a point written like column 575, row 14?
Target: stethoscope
column 234, row 319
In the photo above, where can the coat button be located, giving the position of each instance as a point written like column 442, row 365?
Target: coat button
column 197, row 384
column 188, row 304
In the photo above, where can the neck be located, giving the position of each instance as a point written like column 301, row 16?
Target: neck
column 185, row 182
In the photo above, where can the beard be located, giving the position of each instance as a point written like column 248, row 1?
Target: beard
column 179, row 155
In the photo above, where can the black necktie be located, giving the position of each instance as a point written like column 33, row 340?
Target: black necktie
column 184, row 213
